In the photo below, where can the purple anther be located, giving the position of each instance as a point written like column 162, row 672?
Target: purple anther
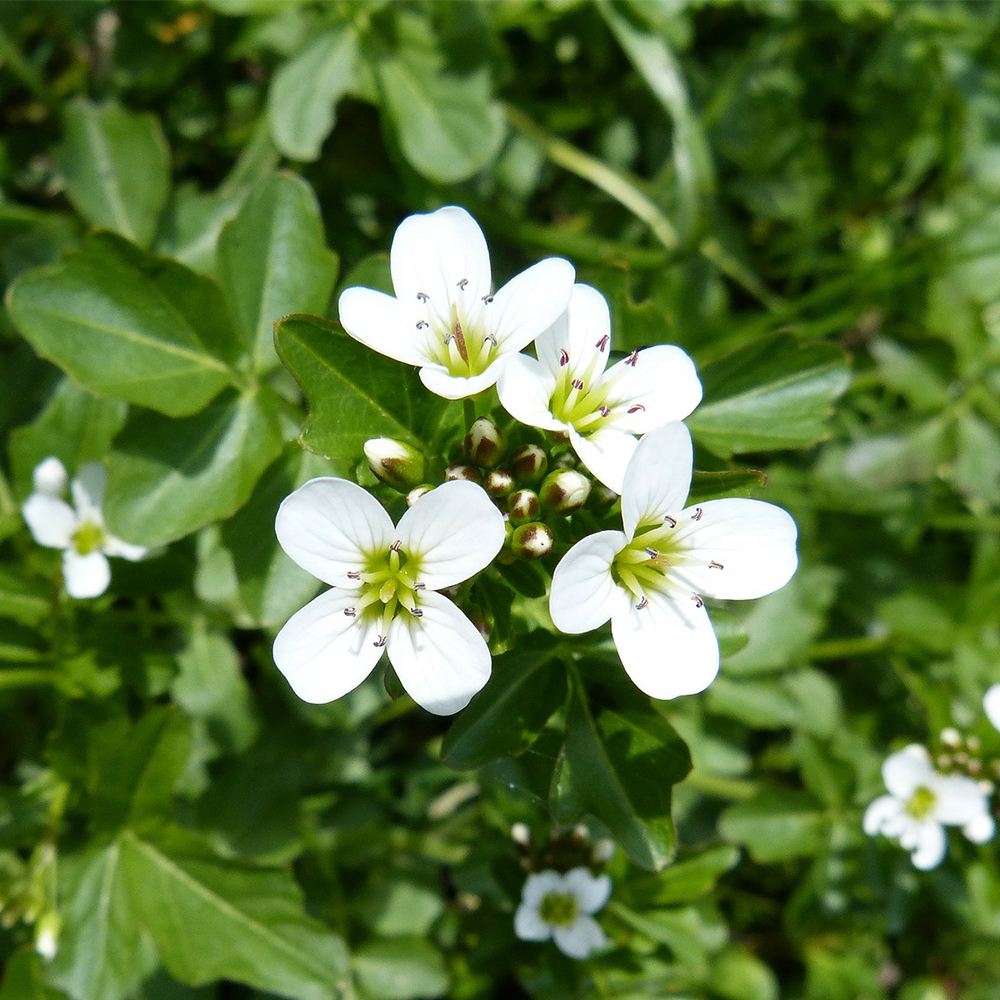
column 698, row 514
column 602, row 344
column 698, row 602
column 672, row 521
column 604, row 411
column 354, row 574
column 715, row 565
column 651, row 552
column 643, row 603
column 350, row 612
column 563, row 357
column 422, row 296
column 396, row 546
column 577, row 383
column 637, row 408
column 379, row 642
column 632, row 358
column 463, row 283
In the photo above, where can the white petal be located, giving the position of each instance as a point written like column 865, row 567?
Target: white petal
column 981, row 829
column 906, row 771
column 991, row 705
column 930, row 847
column 583, row 592
column 885, row 809
column 530, row 303
column 667, row 648
column 49, row 477
column 88, row 491
column 591, row 891
column 124, row 550
column 453, row 532
column 440, row 658
column 658, row 477
column 606, row 453
column 529, row 926
column 663, row 382
column 328, row 526
column 959, row 799
column 442, row 383
column 753, row 542
column 525, row 388
column 379, row 321
column 85, row 576
column 325, row 653
column 50, row 520
column 538, row 885
column 578, row 940
column 579, row 331
column 432, row 253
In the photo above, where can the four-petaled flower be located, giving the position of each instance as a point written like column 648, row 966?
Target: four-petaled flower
column 445, row 316
column 560, row 906
column 652, row 578
column 79, row 529
column 568, row 389
column 921, row 803
column 384, row 582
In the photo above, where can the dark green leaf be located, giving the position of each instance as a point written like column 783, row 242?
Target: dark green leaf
column 22, row 978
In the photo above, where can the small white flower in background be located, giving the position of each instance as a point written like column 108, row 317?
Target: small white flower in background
column 568, row 389
column 47, row 935
column 444, row 316
column 991, row 705
column 921, row 803
column 384, row 582
column 79, row 529
column 651, row 579
column 560, row 906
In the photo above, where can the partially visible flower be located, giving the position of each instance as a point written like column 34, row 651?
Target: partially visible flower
column 561, row 907
column 445, row 316
column 921, row 803
column 567, row 389
column 384, row 582
column 991, row 705
column 651, row 579
column 78, row 530
column 47, row 935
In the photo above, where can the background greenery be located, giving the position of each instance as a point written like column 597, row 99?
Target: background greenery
column 779, row 187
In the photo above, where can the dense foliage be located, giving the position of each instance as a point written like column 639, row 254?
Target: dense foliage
column 802, row 195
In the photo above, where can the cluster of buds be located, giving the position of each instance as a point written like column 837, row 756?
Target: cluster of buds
column 963, row 755
column 565, row 849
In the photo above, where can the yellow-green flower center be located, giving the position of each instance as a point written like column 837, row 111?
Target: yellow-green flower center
column 646, row 562
column 458, row 340
column 579, row 396
column 559, row 909
column 388, row 582
column 921, row 803
column 89, row 537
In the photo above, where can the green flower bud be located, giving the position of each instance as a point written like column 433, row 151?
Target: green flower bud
column 564, row 491
column 523, row 506
column 601, row 497
column 532, row 540
column 462, row 471
column 398, row 465
column 529, row 464
column 498, row 483
column 484, row 443
column 417, row 492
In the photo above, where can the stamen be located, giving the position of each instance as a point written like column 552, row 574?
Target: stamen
column 490, row 339
column 698, row 602
column 396, row 546
column 643, row 603
column 448, row 338
column 604, row 411
column 563, row 357
column 350, row 612
column 577, row 383
column 632, row 358
column 463, row 283
column 697, row 515
column 422, row 296
column 422, row 324
column 672, row 521
column 638, row 408
column 354, row 574
column 379, row 642
column 602, row 344
column 487, row 299
column 651, row 552
column 416, row 612
column 715, row 565
column 419, row 586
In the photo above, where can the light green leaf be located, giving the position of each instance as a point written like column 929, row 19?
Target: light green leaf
column 304, row 92
column 777, row 825
column 771, row 394
column 128, row 325
column 273, row 261
column 167, row 478
column 117, row 168
column 403, row 969
column 688, row 880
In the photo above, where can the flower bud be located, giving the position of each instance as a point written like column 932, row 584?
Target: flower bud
column 523, row 506
column 47, row 935
column 520, row 834
column 484, row 443
column 564, row 491
column 532, row 540
column 602, row 851
column 498, row 483
column 49, row 477
column 601, row 497
column 461, row 471
column 417, row 492
column 529, row 464
column 396, row 464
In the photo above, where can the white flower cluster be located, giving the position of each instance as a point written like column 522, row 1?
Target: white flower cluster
column 623, row 421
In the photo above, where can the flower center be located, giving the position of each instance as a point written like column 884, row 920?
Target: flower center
column 579, row 395
column 921, row 803
column 388, row 582
column 458, row 336
column 559, row 909
column 89, row 537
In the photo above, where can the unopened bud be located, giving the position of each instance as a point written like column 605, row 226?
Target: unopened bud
column 417, row 492
column 484, row 443
column 523, row 506
column 532, row 540
column 601, row 497
column 564, row 491
column 47, row 935
column 462, row 471
column 951, row 737
column 602, row 851
column 396, row 464
column 498, row 483
column 973, row 745
column 520, row 834
column 49, row 477
column 529, row 464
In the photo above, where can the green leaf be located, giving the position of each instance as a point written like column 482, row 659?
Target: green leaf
column 273, row 261
column 777, row 825
column 22, row 978
column 771, row 394
column 508, row 715
column 214, row 918
column 403, row 969
column 305, row 90
column 690, row 879
column 117, row 168
column 128, row 325
column 354, row 394
column 621, row 767
column 446, row 121
column 167, row 478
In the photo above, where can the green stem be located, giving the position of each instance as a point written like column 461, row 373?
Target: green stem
column 470, row 413
column 31, row 677
column 721, row 788
column 965, row 522
column 838, row 649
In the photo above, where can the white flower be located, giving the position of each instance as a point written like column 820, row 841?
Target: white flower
column 384, row 582
column 444, row 316
column 559, row 906
column 651, row 579
column 78, row 530
column 991, row 705
column 921, row 803
column 567, row 389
